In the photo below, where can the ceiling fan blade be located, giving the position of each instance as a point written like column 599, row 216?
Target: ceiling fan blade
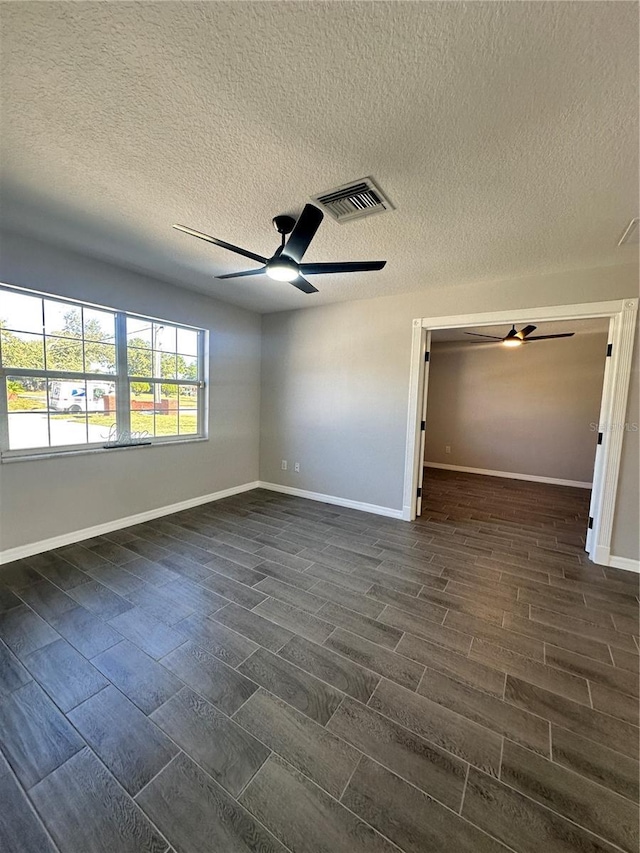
column 526, row 331
column 303, row 232
column 304, row 285
column 221, row 243
column 259, row 271
column 341, row 266
column 548, row 337
column 478, row 335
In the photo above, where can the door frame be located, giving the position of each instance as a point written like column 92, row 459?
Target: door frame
column 621, row 314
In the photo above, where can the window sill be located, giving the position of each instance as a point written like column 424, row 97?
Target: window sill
column 64, row 454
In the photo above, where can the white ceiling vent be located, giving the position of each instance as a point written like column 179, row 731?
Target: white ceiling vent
column 354, row 200
column 630, row 233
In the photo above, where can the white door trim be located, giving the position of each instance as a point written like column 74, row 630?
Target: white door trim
column 412, row 456
column 622, row 314
column 423, row 418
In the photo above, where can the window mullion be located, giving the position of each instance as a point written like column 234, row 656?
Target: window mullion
column 202, row 403
column 122, row 380
column 4, row 415
column 56, row 374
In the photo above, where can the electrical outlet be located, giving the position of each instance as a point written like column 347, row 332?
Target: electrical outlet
column 296, row 467
column 447, row 448
column 283, row 465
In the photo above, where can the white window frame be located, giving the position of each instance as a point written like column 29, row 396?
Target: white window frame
column 120, row 379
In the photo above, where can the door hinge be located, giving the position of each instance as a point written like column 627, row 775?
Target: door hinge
column 427, row 355
column 590, row 522
column 423, row 425
column 609, row 349
column 419, row 492
column 600, row 437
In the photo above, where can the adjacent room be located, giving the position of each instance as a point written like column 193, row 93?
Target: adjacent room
column 319, row 445
column 517, row 410
column 499, row 407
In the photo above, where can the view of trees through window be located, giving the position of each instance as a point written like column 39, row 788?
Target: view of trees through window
column 74, row 374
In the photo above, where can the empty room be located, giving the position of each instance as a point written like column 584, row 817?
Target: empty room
column 319, row 442
column 498, row 411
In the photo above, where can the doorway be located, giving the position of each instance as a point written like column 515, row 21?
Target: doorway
column 620, row 316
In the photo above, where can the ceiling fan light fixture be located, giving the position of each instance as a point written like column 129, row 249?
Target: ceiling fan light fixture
column 516, row 338
column 282, row 269
column 286, row 263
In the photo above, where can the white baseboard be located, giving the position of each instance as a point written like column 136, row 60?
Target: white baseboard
column 331, row 499
column 602, row 556
column 625, row 563
column 117, row 524
column 509, row 475
column 21, row 551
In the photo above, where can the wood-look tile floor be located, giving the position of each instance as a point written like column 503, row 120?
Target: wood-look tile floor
column 267, row 673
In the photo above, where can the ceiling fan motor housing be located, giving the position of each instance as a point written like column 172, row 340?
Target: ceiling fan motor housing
column 283, row 224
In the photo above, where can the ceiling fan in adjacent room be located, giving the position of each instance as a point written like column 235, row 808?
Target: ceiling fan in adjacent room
column 286, row 262
column 516, row 339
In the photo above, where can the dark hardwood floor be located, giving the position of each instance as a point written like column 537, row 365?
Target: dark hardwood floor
column 267, row 673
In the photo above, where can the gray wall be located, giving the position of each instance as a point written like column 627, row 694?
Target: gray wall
column 48, row 497
column 334, row 396
column 526, row 410
column 335, row 384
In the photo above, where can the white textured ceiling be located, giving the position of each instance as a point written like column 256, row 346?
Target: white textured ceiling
column 504, row 132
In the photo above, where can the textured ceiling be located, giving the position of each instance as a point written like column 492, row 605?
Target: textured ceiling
column 504, row 133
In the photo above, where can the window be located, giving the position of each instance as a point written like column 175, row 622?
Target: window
column 76, row 376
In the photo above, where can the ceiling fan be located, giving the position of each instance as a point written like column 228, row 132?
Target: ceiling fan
column 285, row 264
column 516, row 339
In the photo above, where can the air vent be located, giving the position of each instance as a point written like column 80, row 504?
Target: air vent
column 630, row 233
column 353, row 201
